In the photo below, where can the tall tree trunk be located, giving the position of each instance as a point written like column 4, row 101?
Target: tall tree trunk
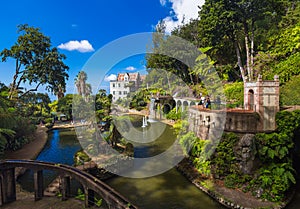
column 13, row 85
column 239, row 60
column 252, row 50
column 246, row 34
column 248, row 57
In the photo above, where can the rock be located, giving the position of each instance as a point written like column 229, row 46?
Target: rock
column 245, row 152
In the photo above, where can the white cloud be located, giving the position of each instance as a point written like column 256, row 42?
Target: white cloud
column 111, row 77
column 81, row 46
column 181, row 10
column 131, row 68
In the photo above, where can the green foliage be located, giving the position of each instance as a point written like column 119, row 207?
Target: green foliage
column 274, row 147
column 172, row 54
column 282, row 55
column 234, row 93
column 187, row 141
column 49, row 125
column 103, row 106
column 48, row 120
column 4, row 135
column 276, row 174
column 64, row 105
column 289, row 92
column 98, row 202
column 181, row 127
column 80, row 195
column 200, row 154
column 224, row 160
column 275, row 180
column 286, row 68
column 287, row 122
column 36, row 62
column 81, row 157
column 139, row 99
column 235, row 180
column 172, row 115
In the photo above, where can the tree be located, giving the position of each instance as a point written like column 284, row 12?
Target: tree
column 172, row 54
column 103, row 105
column 282, row 55
column 34, row 105
column 64, row 105
column 84, row 89
column 36, row 62
column 231, row 27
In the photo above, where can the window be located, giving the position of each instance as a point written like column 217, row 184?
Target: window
column 114, row 85
column 119, row 84
column 125, row 92
column 114, row 92
column 120, row 92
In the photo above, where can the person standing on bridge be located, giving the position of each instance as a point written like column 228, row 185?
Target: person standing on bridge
column 208, row 103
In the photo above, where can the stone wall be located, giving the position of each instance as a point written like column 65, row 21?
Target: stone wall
column 210, row 124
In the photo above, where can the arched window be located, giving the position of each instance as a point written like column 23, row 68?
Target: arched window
column 251, row 99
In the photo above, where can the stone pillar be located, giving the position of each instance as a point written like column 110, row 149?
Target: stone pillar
column 38, row 185
column 176, row 105
column 66, row 187
column 276, row 79
column 89, row 197
column 8, row 186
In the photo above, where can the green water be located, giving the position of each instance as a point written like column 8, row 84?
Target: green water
column 169, row 190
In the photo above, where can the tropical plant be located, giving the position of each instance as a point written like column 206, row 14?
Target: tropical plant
column 5, row 136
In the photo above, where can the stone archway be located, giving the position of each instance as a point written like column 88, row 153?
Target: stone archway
column 167, row 108
column 193, row 103
column 250, row 99
column 178, row 105
column 185, row 105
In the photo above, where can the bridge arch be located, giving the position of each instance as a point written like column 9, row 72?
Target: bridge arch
column 90, row 183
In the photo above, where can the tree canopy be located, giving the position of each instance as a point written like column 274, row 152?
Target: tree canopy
column 240, row 38
column 37, row 62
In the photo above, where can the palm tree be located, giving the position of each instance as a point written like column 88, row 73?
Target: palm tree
column 80, row 82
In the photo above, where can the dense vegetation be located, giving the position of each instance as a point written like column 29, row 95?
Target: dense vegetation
column 241, row 39
column 274, row 174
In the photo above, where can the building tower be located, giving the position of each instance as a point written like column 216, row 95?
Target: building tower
column 263, row 98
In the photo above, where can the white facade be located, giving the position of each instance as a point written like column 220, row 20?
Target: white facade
column 125, row 83
column 119, row 89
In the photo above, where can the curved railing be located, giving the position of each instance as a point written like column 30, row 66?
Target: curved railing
column 112, row 198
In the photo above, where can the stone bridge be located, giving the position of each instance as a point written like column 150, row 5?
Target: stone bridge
column 166, row 103
column 90, row 184
column 185, row 102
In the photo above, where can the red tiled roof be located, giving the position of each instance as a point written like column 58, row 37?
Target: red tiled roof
column 132, row 76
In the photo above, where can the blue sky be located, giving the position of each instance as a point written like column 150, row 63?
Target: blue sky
column 81, row 28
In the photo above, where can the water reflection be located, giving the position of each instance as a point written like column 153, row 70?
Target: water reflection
column 61, row 146
column 168, row 190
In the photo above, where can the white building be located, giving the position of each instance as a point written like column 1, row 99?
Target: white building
column 125, row 83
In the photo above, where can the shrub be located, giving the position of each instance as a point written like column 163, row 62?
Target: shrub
column 187, row 141
column 173, row 115
column 234, row 93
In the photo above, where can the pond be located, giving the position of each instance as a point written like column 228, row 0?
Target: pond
column 167, row 190
column 61, row 146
